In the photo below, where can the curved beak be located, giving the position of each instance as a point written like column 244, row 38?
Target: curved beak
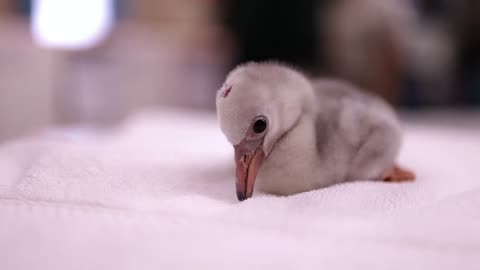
column 249, row 155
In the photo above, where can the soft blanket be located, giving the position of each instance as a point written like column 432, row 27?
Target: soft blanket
column 158, row 193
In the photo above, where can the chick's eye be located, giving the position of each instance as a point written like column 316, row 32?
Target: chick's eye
column 259, row 126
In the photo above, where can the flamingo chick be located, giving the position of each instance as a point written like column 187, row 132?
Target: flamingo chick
column 296, row 134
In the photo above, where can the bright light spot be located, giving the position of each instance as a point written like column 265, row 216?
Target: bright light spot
column 71, row 24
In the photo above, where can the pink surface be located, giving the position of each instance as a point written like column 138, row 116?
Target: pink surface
column 158, row 193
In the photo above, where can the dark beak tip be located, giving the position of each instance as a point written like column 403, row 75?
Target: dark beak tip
column 241, row 196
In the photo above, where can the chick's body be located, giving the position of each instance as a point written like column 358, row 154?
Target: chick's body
column 347, row 135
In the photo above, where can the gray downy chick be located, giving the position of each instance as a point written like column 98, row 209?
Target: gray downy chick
column 292, row 134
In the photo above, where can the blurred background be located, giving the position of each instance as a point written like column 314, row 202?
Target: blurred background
column 93, row 62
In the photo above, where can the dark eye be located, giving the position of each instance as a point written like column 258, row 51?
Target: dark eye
column 259, row 126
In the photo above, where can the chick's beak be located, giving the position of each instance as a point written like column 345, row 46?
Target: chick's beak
column 249, row 155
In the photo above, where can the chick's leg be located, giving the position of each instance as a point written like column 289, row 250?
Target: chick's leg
column 398, row 174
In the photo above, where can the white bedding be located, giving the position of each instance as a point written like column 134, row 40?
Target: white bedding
column 158, row 193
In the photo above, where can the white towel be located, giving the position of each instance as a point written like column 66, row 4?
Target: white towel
column 158, row 193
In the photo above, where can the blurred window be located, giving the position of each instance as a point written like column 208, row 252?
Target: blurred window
column 71, row 24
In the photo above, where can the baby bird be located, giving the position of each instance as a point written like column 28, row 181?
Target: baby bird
column 295, row 134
